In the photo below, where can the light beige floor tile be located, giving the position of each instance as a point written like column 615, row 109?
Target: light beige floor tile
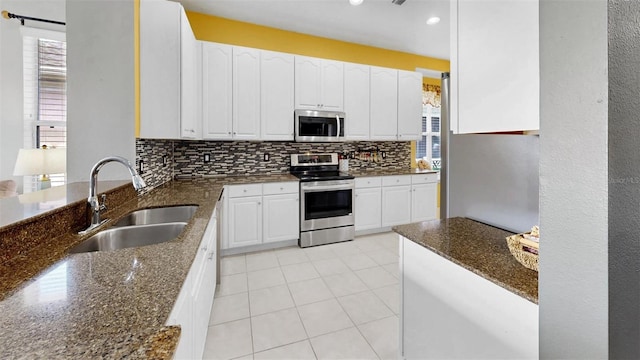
column 297, row 351
column 232, row 284
column 271, row 299
column 393, row 269
column 265, row 278
column 276, row 329
column 364, row 307
column 390, row 296
column 383, row 336
column 358, row 261
column 229, row 340
column 367, row 245
column 345, row 284
column 292, row 257
column 248, row 357
column 229, row 308
column 324, row 317
column 315, row 253
column 343, row 344
column 330, row 267
column 309, row 291
column 299, row 272
column 383, row 257
column 376, row 277
column 344, row 248
column 262, row 260
column 230, row 265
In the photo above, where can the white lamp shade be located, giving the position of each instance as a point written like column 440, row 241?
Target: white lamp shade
column 40, row 162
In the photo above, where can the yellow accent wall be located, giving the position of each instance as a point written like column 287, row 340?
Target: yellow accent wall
column 227, row 31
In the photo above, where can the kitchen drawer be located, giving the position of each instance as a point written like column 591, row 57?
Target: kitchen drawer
column 396, row 180
column 290, row 187
column 424, row 178
column 368, row 182
column 245, row 190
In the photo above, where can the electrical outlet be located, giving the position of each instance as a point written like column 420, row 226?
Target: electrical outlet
column 140, row 167
column 384, row 154
column 164, row 160
column 266, row 157
column 207, row 158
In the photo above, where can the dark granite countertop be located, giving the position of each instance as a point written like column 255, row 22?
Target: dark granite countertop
column 477, row 247
column 110, row 304
column 389, row 172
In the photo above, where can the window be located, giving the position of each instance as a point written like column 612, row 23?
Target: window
column 45, row 94
column 428, row 147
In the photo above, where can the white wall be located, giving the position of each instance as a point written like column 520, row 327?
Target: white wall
column 573, row 288
column 11, row 84
column 100, row 86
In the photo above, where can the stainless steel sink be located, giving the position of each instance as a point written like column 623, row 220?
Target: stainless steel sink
column 158, row 215
column 131, row 236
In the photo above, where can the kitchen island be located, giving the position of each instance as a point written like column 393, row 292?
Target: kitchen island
column 463, row 294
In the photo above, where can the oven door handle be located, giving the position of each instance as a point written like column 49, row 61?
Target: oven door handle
column 329, row 187
column 338, row 119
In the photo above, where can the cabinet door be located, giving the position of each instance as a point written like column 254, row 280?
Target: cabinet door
column 190, row 97
column 368, row 208
column 307, row 82
column 332, row 85
column 246, row 93
column 356, row 101
column 204, row 289
column 494, row 65
column 217, row 87
column 409, row 105
column 276, row 95
column 281, row 217
column 396, row 205
column 384, row 103
column 182, row 315
column 245, row 221
column 159, row 69
column 424, row 202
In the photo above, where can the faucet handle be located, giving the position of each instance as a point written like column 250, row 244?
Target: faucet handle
column 103, row 206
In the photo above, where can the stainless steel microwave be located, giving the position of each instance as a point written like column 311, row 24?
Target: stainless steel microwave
column 319, row 126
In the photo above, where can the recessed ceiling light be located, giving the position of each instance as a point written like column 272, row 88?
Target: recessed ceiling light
column 433, row 20
column 355, row 2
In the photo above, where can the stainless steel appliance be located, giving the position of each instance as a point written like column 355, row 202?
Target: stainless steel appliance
column 327, row 199
column 319, row 126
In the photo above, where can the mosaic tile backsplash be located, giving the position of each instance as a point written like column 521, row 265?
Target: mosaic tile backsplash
column 157, row 161
column 246, row 157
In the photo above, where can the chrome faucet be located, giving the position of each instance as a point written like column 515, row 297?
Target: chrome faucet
column 94, row 204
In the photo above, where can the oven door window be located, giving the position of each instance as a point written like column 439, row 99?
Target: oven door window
column 316, row 126
column 327, row 204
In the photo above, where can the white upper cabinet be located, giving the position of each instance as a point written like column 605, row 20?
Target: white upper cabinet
column 160, row 82
column 409, row 105
column 495, row 77
column 246, row 93
column 384, row 104
column 217, row 85
column 356, row 101
column 276, row 95
column 319, row 84
column 190, row 82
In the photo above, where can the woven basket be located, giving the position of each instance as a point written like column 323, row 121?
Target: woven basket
column 525, row 258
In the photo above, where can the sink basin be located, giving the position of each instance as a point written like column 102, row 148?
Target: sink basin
column 158, row 215
column 132, row 236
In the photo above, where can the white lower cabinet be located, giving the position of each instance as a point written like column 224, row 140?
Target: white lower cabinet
column 193, row 306
column 245, row 221
column 385, row 201
column 449, row 312
column 261, row 213
column 424, row 197
column 396, row 200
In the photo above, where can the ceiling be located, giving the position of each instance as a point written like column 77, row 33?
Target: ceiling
column 376, row 23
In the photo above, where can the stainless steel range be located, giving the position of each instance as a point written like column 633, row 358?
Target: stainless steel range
column 327, row 199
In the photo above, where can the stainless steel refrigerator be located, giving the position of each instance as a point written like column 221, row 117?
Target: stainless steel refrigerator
column 492, row 178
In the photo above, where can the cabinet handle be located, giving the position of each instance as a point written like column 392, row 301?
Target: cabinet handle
column 281, row 188
column 204, row 249
column 229, row 132
column 211, row 255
